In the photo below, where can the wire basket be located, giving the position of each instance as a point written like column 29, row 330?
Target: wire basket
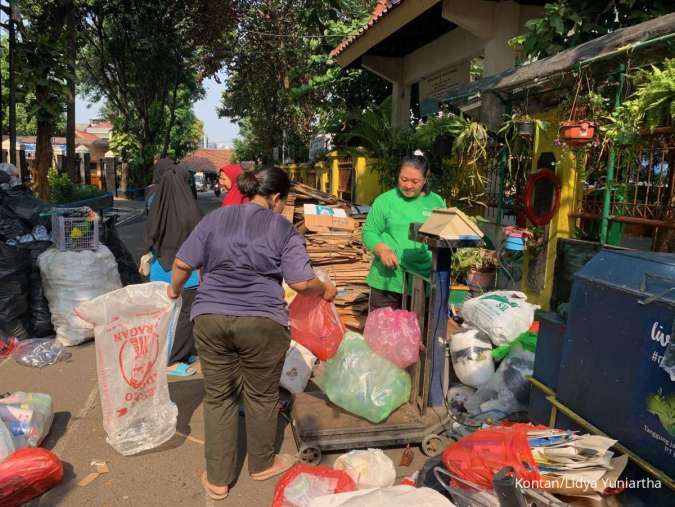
column 75, row 229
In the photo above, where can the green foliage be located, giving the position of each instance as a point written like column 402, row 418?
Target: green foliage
column 62, row 190
column 568, row 23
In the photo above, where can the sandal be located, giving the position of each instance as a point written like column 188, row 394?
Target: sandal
column 209, row 492
column 286, row 461
column 182, row 370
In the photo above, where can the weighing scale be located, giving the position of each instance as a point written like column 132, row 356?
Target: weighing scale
column 318, row 425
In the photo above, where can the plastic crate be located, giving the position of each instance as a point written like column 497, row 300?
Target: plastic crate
column 75, row 233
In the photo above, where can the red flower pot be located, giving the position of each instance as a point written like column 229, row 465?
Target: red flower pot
column 577, row 133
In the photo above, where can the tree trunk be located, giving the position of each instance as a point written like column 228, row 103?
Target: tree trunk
column 43, row 159
column 172, row 119
column 124, row 177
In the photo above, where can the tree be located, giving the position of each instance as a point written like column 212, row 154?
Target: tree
column 282, row 87
column 568, row 23
column 148, row 60
column 41, row 72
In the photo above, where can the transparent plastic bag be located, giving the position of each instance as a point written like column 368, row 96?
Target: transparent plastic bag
column 394, row 496
column 502, row 315
column 471, row 353
column 6, row 442
column 39, row 352
column 315, row 324
column 28, row 416
column 394, row 335
column 370, row 468
column 363, row 383
column 302, row 483
column 133, row 327
column 508, row 391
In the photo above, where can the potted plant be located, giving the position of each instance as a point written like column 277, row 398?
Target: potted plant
column 522, row 125
column 475, row 265
column 581, row 126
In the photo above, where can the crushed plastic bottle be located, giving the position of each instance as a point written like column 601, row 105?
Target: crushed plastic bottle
column 39, row 352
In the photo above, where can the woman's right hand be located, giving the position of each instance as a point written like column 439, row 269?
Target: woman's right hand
column 386, row 255
column 329, row 291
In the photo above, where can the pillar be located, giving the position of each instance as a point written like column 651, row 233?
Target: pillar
column 400, row 104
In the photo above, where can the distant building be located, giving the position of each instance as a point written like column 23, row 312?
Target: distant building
column 208, row 160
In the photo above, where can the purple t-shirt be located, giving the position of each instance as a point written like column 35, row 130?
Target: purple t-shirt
column 244, row 252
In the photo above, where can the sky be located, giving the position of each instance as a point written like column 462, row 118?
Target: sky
column 218, row 130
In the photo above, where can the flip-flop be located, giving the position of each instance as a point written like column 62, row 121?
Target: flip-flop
column 182, row 370
column 209, row 492
column 287, row 462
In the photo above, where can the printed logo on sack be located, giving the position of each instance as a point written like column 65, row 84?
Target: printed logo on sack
column 138, row 354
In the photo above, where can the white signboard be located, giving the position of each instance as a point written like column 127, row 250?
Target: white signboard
column 436, row 85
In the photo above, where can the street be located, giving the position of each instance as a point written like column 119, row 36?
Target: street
column 163, row 476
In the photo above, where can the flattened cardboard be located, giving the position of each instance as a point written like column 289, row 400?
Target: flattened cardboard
column 451, row 223
column 319, row 223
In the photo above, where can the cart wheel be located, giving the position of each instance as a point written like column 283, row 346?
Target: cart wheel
column 433, row 445
column 309, row 455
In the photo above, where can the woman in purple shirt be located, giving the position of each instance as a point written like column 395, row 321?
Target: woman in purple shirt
column 241, row 321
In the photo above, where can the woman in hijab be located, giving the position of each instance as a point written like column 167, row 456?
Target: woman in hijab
column 171, row 218
column 227, row 177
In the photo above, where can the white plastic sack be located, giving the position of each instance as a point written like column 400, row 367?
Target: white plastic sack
column 471, row 353
column 297, row 369
column 70, row 278
column 502, row 315
column 369, row 469
column 28, row 417
column 395, row 496
column 6, row 442
column 133, row 328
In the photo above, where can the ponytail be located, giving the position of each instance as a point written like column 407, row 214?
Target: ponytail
column 265, row 182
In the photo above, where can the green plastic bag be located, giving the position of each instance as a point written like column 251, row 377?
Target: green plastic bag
column 527, row 341
column 363, row 383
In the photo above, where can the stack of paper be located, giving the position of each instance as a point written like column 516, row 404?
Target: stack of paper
column 575, row 464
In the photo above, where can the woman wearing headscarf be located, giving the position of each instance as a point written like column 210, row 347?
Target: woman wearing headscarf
column 171, row 218
column 227, row 177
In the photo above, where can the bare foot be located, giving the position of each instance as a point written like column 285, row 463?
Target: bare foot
column 282, row 462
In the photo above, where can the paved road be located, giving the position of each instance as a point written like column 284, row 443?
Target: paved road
column 165, row 476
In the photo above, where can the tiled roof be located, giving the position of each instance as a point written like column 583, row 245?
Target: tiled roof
column 207, row 160
column 86, row 136
column 382, row 8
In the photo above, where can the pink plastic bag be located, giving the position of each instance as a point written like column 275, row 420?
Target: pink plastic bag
column 394, row 335
column 315, row 325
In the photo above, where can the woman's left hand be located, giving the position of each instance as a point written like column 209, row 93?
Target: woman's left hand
column 172, row 293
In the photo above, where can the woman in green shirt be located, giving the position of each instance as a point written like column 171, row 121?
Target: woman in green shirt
column 385, row 233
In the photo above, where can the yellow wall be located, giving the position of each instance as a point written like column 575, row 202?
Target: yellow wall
column 562, row 226
column 367, row 183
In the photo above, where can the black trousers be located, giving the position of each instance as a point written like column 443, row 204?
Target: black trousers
column 383, row 299
column 184, row 341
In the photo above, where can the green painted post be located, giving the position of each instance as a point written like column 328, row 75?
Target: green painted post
column 611, row 163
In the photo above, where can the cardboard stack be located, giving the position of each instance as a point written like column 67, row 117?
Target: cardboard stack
column 333, row 235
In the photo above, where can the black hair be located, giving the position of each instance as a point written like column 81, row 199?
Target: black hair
column 418, row 162
column 265, row 182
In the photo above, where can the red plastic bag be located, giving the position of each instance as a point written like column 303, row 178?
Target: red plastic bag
column 479, row 456
column 302, row 483
column 315, row 325
column 394, row 335
column 28, row 473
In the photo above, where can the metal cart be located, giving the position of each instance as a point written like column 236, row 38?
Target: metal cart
column 318, row 425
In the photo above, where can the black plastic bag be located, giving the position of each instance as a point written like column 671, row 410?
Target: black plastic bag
column 11, row 225
column 127, row 267
column 21, row 201
column 15, row 268
column 40, row 319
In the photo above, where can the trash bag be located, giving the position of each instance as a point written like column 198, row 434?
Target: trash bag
column 39, row 352
column 24, row 205
column 470, row 351
column 480, row 455
column 70, row 278
column 297, row 369
column 133, row 328
column 15, row 283
column 370, row 468
column 40, row 318
column 502, row 315
column 394, row 335
column 28, row 473
column 28, row 417
column 363, row 383
column 11, row 225
column 6, row 442
column 527, row 341
column 508, row 391
column 394, row 496
column 126, row 266
column 302, row 483
column 315, row 324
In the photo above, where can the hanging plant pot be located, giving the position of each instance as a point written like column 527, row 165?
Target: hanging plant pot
column 578, row 132
column 525, row 128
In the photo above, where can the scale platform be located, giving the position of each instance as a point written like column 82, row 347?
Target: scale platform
column 318, row 425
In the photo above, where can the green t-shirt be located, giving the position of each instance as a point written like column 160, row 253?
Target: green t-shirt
column 389, row 222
